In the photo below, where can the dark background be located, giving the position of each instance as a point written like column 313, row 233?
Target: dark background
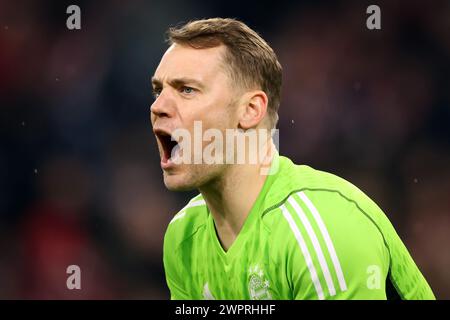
column 80, row 181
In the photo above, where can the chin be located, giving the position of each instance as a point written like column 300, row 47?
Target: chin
column 178, row 183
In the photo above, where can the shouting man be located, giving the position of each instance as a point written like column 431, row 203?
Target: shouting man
column 287, row 232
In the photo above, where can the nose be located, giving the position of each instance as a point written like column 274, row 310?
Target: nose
column 163, row 106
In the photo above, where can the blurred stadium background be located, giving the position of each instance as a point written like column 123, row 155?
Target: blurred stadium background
column 80, row 181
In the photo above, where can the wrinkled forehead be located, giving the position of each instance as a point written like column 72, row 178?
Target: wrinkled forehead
column 184, row 61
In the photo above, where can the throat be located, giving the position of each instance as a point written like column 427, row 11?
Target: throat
column 225, row 235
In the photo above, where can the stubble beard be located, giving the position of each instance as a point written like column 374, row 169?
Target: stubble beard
column 194, row 177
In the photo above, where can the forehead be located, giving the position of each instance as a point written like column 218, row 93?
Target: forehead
column 184, row 61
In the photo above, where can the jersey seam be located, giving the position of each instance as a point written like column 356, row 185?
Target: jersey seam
column 190, row 235
column 329, row 190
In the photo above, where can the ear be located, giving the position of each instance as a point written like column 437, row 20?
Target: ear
column 254, row 109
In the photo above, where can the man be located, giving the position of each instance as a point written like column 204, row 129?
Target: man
column 291, row 232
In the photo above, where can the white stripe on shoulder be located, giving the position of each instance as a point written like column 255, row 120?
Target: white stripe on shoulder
column 326, row 236
column 182, row 212
column 316, row 245
column 306, row 254
column 178, row 216
column 196, row 203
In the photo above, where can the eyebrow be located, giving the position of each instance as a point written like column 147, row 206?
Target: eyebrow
column 178, row 82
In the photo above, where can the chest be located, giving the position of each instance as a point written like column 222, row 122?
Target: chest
column 244, row 272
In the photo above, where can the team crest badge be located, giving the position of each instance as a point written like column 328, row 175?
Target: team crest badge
column 258, row 285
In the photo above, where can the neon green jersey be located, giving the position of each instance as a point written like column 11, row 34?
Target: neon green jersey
column 309, row 235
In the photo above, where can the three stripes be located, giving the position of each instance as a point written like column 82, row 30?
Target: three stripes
column 316, row 245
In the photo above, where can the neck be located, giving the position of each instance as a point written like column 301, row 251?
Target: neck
column 231, row 197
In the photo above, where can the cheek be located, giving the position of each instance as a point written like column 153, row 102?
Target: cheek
column 218, row 120
column 214, row 112
column 222, row 116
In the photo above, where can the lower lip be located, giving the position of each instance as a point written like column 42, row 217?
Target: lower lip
column 167, row 164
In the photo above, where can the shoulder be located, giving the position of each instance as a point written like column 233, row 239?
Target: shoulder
column 322, row 210
column 326, row 230
column 186, row 222
column 321, row 193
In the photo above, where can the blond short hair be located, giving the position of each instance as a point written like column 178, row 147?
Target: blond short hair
column 252, row 62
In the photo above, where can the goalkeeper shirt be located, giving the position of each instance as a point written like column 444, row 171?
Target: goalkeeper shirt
column 309, row 235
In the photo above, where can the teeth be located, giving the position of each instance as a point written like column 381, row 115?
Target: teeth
column 175, row 156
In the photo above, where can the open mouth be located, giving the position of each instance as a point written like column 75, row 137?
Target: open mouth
column 168, row 145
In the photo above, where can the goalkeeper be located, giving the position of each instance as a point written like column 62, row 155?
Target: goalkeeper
column 288, row 232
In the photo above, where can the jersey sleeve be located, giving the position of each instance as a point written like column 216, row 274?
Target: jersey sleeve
column 404, row 274
column 330, row 249
column 342, row 246
column 174, row 279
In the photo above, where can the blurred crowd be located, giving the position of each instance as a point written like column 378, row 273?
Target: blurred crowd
column 80, row 181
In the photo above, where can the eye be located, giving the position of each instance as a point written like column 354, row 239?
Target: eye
column 156, row 92
column 187, row 90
